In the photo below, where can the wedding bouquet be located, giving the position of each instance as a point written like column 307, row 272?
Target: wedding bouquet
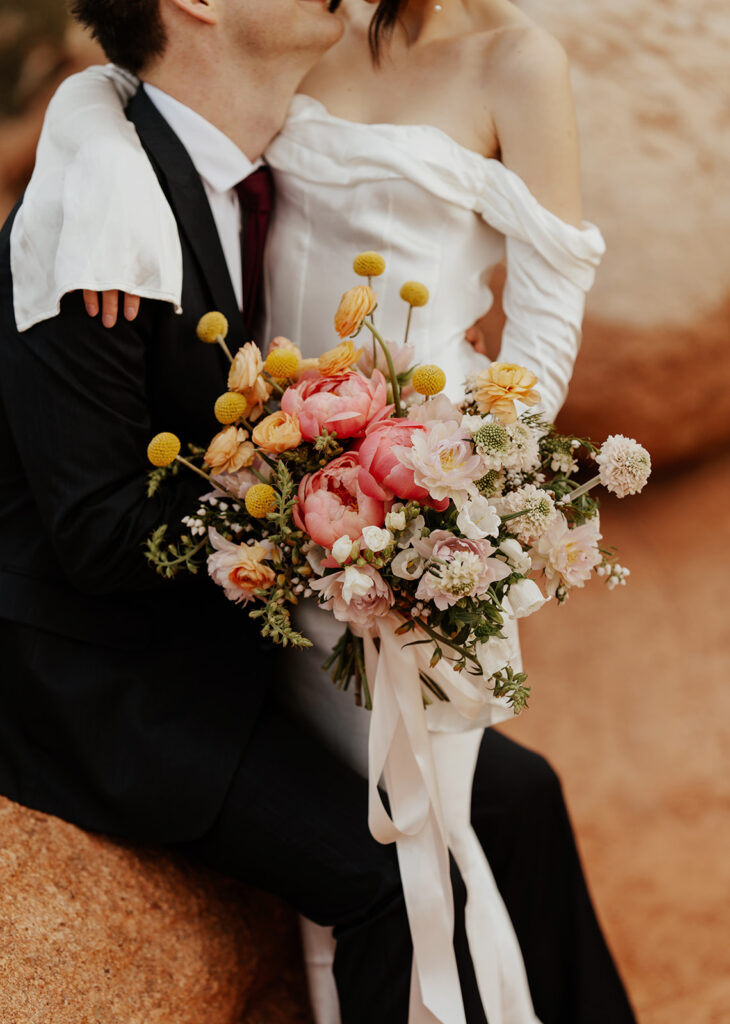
column 354, row 480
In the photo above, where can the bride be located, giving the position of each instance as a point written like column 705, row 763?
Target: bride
column 443, row 135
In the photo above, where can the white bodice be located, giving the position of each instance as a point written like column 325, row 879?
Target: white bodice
column 440, row 214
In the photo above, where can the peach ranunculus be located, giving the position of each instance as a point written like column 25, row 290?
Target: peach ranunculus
column 245, row 368
column 384, row 475
column 277, row 433
column 245, row 377
column 332, row 503
column 240, row 568
column 229, row 451
column 355, row 305
column 357, row 595
column 338, row 360
column 346, row 405
column 497, row 388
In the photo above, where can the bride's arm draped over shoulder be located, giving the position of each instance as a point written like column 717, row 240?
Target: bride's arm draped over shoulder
column 92, row 183
column 551, row 260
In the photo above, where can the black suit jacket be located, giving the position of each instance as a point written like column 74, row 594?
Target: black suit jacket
column 125, row 700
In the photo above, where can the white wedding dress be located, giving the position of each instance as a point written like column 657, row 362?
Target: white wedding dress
column 440, row 214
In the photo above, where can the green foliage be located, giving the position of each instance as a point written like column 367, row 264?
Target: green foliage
column 168, row 559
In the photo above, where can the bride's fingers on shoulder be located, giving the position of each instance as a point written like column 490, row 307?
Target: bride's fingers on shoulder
column 91, row 302
column 475, row 337
column 109, row 308
column 131, row 307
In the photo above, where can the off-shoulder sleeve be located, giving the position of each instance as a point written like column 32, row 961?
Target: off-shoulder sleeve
column 94, row 215
column 551, row 266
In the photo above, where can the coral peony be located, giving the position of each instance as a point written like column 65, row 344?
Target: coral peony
column 332, row 502
column 346, row 405
column 379, row 457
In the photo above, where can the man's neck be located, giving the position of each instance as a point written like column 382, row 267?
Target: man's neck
column 250, row 107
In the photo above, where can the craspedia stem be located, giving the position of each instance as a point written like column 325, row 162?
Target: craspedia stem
column 408, row 324
column 205, row 476
column 221, row 341
column 391, row 368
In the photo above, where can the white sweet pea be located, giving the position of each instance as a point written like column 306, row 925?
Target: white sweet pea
column 408, row 564
column 515, row 553
column 342, row 549
column 524, row 598
column 478, row 519
column 472, row 423
column 376, row 539
column 356, row 583
column 396, row 520
column 412, row 533
column 315, row 556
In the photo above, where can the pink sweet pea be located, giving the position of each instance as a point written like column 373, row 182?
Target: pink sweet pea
column 332, row 502
column 346, row 404
column 383, row 473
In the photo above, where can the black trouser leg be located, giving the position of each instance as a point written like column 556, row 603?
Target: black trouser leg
column 295, row 823
column 519, row 814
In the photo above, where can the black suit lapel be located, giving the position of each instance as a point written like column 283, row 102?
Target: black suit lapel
column 189, row 203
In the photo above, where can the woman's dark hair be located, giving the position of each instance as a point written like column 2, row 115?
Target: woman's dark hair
column 383, row 23
column 131, row 32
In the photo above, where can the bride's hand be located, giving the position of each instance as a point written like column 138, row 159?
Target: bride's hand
column 110, row 306
column 480, row 337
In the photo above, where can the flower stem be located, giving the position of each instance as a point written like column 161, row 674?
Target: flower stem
column 579, row 491
column 408, row 324
column 448, row 643
column 205, row 476
column 225, row 347
column 391, row 368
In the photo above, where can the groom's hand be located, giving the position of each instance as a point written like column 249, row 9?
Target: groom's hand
column 110, row 306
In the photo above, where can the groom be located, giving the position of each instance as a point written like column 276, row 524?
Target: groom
column 140, row 708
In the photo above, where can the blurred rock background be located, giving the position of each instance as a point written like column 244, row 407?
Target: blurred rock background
column 630, row 695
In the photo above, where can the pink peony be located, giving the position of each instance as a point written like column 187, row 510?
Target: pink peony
column 568, row 557
column 383, row 474
column 332, row 502
column 357, row 595
column 346, row 404
column 460, row 568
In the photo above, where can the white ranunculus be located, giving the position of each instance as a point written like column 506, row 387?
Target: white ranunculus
column 472, row 423
column 356, row 583
column 396, row 520
column 525, row 597
column 376, row 539
column 342, row 548
column 516, row 554
column 478, row 519
column 408, row 564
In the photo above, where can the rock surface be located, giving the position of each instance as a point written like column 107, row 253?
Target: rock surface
column 93, row 932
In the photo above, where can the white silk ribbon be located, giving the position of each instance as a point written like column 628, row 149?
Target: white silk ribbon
column 402, row 754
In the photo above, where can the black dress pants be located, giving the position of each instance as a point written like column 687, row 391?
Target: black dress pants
column 295, row 823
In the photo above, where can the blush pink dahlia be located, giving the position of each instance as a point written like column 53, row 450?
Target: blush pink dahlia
column 443, row 461
column 357, row 595
column 332, row 502
column 345, row 405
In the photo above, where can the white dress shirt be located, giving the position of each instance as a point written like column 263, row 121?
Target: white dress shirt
column 221, row 166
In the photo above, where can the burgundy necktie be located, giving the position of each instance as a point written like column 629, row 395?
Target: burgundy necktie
column 256, row 196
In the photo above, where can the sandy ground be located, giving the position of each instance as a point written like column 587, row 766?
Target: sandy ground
column 631, row 704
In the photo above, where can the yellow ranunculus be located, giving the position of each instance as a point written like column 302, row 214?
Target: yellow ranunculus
column 501, row 385
column 339, row 359
column 355, row 305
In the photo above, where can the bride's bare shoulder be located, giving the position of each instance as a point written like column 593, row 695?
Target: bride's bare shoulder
column 520, row 54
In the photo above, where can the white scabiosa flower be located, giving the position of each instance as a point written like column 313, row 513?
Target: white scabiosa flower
column 523, row 451
column 625, row 465
column 492, row 442
column 539, row 512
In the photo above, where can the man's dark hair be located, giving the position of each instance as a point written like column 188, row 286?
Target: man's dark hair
column 131, row 32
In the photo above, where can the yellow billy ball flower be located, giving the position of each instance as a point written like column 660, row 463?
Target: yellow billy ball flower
column 282, row 363
column 414, row 293
column 163, row 449
column 230, row 407
column 211, row 327
column 260, row 500
column 368, row 264
column 428, row 380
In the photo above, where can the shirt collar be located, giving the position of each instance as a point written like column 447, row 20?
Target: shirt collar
column 216, row 158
